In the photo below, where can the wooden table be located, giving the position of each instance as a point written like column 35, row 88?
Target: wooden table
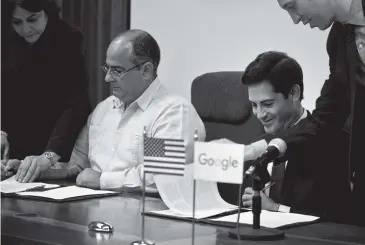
column 25, row 221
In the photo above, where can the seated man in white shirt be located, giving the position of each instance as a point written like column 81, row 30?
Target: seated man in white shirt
column 303, row 183
column 109, row 151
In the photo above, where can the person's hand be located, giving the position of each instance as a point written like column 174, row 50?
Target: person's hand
column 5, row 147
column 251, row 152
column 222, row 141
column 3, row 173
column 31, row 167
column 266, row 202
column 10, row 168
column 89, row 178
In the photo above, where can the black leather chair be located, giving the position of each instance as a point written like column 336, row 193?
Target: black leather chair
column 222, row 102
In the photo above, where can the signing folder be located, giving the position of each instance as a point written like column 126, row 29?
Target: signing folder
column 68, row 193
column 50, row 192
column 268, row 219
column 11, row 186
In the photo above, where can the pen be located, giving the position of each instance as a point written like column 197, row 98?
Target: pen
column 268, row 186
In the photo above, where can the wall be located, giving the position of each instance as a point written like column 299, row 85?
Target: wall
column 199, row 36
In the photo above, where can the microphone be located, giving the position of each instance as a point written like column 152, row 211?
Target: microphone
column 276, row 148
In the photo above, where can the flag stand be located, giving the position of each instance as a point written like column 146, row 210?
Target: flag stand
column 143, row 241
column 193, row 225
column 196, row 137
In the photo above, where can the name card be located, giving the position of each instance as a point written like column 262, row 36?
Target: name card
column 218, row 162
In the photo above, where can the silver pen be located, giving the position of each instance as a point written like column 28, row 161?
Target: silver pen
column 268, row 186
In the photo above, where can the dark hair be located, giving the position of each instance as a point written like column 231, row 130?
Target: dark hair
column 280, row 70
column 11, row 43
column 50, row 7
column 144, row 47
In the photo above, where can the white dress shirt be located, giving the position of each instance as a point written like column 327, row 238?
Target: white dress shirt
column 112, row 140
column 282, row 208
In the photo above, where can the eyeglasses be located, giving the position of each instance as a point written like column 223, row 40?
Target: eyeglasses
column 118, row 72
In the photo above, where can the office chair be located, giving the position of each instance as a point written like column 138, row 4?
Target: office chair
column 221, row 101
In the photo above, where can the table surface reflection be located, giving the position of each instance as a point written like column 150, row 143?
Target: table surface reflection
column 25, row 221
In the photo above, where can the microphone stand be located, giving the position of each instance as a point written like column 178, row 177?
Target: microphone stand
column 256, row 233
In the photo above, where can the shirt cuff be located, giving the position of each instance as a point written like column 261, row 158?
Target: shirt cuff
column 283, row 209
column 127, row 178
column 117, row 180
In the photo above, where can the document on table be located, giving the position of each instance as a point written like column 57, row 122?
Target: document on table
column 177, row 194
column 68, row 192
column 10, row 185
column 269, row 219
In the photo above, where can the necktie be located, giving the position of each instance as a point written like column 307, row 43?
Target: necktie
column 277, row 176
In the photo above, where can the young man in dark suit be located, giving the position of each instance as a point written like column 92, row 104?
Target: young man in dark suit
column 343, row 93
column 310, row 180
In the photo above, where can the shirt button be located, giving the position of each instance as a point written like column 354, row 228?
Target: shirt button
column 361, row 46
column 113, row 149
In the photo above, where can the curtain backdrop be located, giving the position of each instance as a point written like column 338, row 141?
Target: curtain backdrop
column 100, row 21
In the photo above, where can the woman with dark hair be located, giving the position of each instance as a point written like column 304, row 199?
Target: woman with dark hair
column 44, row 98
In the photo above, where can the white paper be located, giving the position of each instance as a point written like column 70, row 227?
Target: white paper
column 10, row 185
column 64, row 192
column 269, row 219
column 177, row 194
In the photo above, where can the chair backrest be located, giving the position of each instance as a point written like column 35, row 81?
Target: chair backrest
column 221, row 101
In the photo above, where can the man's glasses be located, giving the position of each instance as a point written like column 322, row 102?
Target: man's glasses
column 118, row 72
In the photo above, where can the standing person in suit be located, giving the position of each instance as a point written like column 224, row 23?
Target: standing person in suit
column 44, row 87
column 343, row 93
column 302, row 183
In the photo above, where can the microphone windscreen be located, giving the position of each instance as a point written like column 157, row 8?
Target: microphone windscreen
column 279, row 144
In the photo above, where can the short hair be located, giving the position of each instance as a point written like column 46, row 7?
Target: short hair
column 50, row 7
column 144, row 47
column 280, row 70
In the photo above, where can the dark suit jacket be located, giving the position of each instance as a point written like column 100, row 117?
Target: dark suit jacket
column 335, row 105
column 315, row 178
column 44, row 91
column 336, row 101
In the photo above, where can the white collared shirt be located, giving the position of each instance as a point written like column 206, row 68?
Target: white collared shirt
column 282, row 208
column 112, row 140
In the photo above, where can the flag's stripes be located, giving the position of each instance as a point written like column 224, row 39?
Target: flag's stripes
column 172, row 148
column 174, row 142
column 164, row 166
column 178, row 151
column 174, row 154
column 163, row 163
column 164, row 159
column 164, row 171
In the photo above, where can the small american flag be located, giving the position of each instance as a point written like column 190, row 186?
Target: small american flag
column 164, row 156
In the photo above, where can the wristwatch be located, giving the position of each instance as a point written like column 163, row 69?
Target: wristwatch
column 49, row 155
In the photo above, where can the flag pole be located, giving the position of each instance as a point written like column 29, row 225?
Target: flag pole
column 196, row 137
column 142, row 241
column 143, row 206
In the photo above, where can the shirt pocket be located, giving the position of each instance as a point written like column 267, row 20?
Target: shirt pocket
column 96, row 134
